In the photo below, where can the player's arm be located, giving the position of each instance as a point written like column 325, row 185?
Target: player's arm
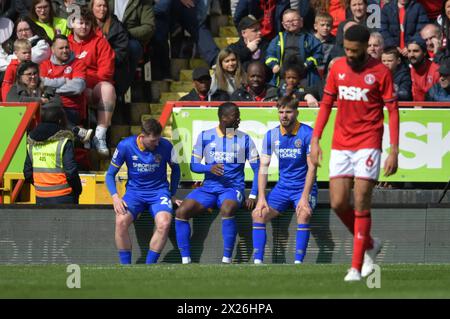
column 196, row 160
column 329, row 96
column 391, row 163
column 303, row 204
column 110, row 178
column 253, row 159
column 175, row 177
column 390, row 100
column 264, row 163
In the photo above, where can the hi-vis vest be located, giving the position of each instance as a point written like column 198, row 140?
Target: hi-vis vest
column 48, row 173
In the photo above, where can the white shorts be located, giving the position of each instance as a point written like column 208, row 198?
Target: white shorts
column 363, row 163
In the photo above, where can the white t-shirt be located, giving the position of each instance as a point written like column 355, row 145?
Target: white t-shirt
column 119, row 8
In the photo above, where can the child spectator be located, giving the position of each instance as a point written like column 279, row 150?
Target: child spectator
column 294, row 84
column 22, row 51
column 322, row 26
column 400, row 72
column 294, row 42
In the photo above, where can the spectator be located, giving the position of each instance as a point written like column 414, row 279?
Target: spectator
column 98, row 57
column 400, row 72
column 440, row 92
column 42, row 13
column 118, row 38
column 401, row 20
column 67, row 76
column 61, row 7
column 22, row 51
column 27, row 87
column 228, row 75
column 23, row 7
column 26, row 29
column 294, row 42
column 432, row 8
column 432, row 35
column 293, row 84
column 56, row 181
column 424, row 73
column 7, row 9
column 167, row 12
column 376, row 45
column 322, row 28
column 256, row 88
column 338, row 49
column 336, row 8
column 137, row 17
column 202, row 84
column 359, row 14
column 251, row 46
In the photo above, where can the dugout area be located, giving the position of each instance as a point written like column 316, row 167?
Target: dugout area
column 411, row 233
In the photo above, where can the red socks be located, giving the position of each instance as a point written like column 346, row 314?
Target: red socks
column 361, row 237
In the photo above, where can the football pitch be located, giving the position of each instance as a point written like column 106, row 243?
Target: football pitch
column 176, row 281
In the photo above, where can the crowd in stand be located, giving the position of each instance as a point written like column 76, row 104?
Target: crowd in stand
column 85, row 53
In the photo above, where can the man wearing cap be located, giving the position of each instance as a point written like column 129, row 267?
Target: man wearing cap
column 424, row 73
column 251, row 46
column 440, row 92
column 202, row 83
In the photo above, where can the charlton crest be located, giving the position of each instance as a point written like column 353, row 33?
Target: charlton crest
column 369, row 79
column 68, row 70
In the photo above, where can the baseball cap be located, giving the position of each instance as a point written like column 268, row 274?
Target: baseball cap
column 200, row 72
column 444, row 69
column 247, row 22
column 417, row 39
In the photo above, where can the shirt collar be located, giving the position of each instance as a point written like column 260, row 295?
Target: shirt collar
column 139, row 143
column 294, row 132
column 221, row 135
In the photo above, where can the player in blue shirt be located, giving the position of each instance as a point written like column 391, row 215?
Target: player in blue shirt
column 296, row 187
column 146, row 156
column 225, row 151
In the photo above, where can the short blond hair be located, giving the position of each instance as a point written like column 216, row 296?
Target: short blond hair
column 323, row 16
column 21, row 44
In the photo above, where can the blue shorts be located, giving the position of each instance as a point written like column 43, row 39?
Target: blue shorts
column 153, row 202
column 283, row 199
column 212, row 198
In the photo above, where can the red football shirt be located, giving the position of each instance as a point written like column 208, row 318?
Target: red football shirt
column 423, row 79
column 361, row 97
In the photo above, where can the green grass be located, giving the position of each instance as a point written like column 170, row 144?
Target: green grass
column 222, row 281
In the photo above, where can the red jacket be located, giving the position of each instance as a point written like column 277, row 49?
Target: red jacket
column 98, row 56
column 423, row 79
column 432, row 7
column 10, row 77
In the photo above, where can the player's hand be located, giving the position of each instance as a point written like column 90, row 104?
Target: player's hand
column 311, row 100
column 250, row 203
column 261, row 208
column 303, row 208
column 119, row 205
column 276, row 69
column 217, row 169
column 188, row 3
column 316, row 152
column 391, row 164
column 176, row 201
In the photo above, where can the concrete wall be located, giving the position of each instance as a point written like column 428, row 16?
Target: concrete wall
column 416, row 234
